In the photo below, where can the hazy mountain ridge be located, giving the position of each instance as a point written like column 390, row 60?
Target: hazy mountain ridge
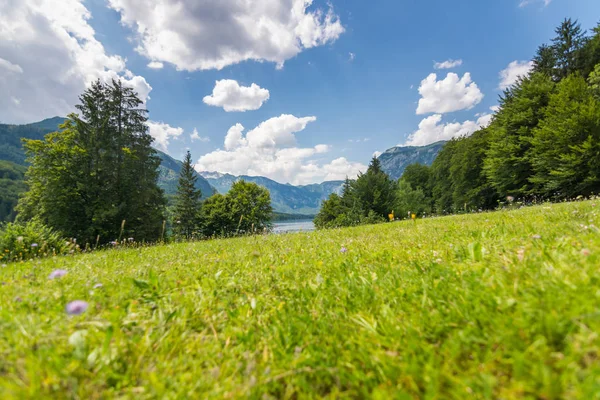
column 395, row 160
column 285, row 198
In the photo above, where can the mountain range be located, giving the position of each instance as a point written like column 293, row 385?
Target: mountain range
column 286, row 198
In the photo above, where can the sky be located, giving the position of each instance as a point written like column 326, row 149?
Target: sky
column 300, row 91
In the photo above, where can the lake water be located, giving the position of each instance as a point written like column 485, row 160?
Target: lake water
column 293, row 226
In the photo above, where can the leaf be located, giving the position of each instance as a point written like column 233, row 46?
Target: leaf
column 143, row 285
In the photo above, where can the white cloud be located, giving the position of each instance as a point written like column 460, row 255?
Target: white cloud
column 228, row 94
column 510, row 75
column 196, row 136
column 155, row 65
column 495, row 108
column 10, row 67
column 448, row 95
column 49, row 54
column 359, row 140
column 200, row 35
column 162, row 134
column 431, row 131
column 270, row 150
column 448, row 64
column 524, row 3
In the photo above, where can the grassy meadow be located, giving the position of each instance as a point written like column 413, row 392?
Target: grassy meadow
column 496, row 305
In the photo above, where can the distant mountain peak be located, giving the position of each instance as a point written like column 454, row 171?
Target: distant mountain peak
column 395, row 160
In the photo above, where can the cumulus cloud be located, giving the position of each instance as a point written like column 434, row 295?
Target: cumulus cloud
column 162, row 134
column 510, row 75
column 229, row 95
column 431, row 129
column 199, row 35
column 270, row 150
column 448, row 64
column 155, row 65
column 48, row 55
column 195, row 136
column 448, row 95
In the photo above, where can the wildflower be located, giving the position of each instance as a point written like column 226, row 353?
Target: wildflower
column 18, row 299
column 76, row 307
column 130, row 239
column 114, row 243
column 34, row 245
column 57, row 273
column 97, row 286
column 510, row 199
column 586, row 252
column 537, row 236
column 343, row 250
column 3, row 265
column 20, row 239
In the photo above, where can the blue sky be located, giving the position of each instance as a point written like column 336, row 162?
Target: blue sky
column 360, row 81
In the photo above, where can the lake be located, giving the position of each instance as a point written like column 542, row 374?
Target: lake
column 293, row 226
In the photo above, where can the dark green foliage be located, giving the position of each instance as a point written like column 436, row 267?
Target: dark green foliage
column 507, row 165
column 12, row 184
column 367, row 200
column 418, row 176
column 567, row 45
column 98, row 172
column 168, row 180
column 442, row 186
column 186, row 213
column 375, row 191
column 30, row 240
column 411, row 201
column 245, row 209
column 566, row 144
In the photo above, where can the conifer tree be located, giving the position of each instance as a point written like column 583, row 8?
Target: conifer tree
column 187, row 201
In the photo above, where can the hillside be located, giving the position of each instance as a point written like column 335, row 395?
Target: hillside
column 396, row 159
column 482, row 306
column 285, row 198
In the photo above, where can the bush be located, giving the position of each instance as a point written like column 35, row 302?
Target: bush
column 23, row 241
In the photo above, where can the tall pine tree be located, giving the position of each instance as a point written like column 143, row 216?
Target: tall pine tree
column 98, row 172
column 186, row 222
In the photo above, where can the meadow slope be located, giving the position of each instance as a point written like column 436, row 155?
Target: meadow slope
column 494, row 305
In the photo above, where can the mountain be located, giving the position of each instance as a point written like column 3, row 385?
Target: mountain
column 396, row 159
column 285, row 198
column 11, row 135
column 169, row 177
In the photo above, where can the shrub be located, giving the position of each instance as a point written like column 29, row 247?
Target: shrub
column 23, row 241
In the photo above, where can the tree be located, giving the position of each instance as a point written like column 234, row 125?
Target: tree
column 98, row 172
column 186, row 218
column 410, row 200
column 246, row 208
column 375, row 191
column 441, row 183
column 471, row 190
column 418, row 176
column 566, row 145
column 507, row 165
column 569, row 40
column 545, row 60
column 332, row 213
column 250, row 207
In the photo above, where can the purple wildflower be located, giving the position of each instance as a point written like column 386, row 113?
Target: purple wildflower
column 343, row 250
column 57, row 273
column 97, row 286
column 76, row 307
column 114, row 243
column 18, row 299
column 34, row 245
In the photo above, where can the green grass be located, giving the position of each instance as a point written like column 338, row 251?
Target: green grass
column 474, row 306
